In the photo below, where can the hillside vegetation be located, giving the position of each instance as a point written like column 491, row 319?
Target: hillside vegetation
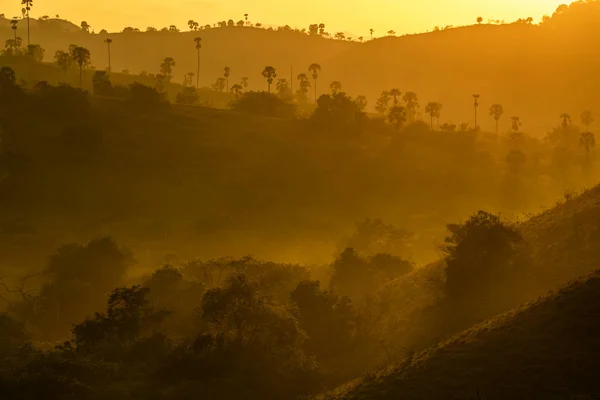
column 544, row 350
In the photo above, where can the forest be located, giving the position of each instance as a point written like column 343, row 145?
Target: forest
column 283, row 229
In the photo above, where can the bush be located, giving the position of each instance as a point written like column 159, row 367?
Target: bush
column 265, row 104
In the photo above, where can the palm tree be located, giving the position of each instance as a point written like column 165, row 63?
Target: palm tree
column 395, row 93
column 236, row 90
column 587, row 140
column 28, row 4
column 269, row 74
column 433, row 109
column 516, row 123
column 226, row 73
column 475, row 105
column 315, row 69
column 198, row 47
column 335, row 87
column 496, row 111
column 245, row 83
column 63, row 60
column 412, row 103
column 246, row 16
column 566, row 120
column 586, row 119
column 13, row 25
column 372, row 31
column 397, row 116
column 82, row 57
column 108, row 43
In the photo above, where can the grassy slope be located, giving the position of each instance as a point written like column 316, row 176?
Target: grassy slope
column 545, row 350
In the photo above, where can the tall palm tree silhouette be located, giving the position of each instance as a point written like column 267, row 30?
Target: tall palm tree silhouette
column 28, row 4
column 269, row 73
column 496, row 111
column 198, row 47
column 315, row 69
column 475, row 105
column 13, row 25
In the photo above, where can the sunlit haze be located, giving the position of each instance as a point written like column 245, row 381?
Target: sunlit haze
column 355, row 17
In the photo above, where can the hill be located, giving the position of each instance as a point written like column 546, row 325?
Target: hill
column 536, row 71
column 544, row 350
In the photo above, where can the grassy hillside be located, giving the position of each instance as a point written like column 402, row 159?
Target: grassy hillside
column 544, row 350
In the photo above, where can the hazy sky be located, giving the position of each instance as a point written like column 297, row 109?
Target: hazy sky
column 352, row 16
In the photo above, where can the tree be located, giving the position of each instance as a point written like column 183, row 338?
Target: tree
column 361, row 102
column 82, row 57
column 395, row 93
column 391, row 33
column 226, row 73
column 397, row 117
column 198, row 41
column 433, row 109
column 479, row 20
column 587, row 140
column 13, row 25
column 335, row 87
column 246, row 18
column 360, row 39
column 35, row 52
column 108, row 43
column 245, row 83
column 566, row 120
column 482, row 255
column 340, row 36
column 302, row 92
column 85, row 27
column 412, row 103
column 315, row 69
column 321, row 29
column 382, row 103
column 101, row 83
column 28, row 4
column 269, row 74
column 187, row 94
column 193, row 25
column 241, row 23
column 516, row 124
column 283, row 89
column 173, row 29
column 496, row 111
column 237, row 90
column 63, row 60
column 372, row 31
column 313, row 29
column 587, row 118
column 151, row 29
column 166, row 68
column 219, row 85
column 475, row 105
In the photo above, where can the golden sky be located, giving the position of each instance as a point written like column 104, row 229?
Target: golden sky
column 351, row 16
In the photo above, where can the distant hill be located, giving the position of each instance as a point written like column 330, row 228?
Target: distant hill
column 536, row 72
column 545, row 350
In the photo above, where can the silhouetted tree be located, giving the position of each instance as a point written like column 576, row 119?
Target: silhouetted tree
column 302, row 92
column 35, row 52
column 246, row 18
column 433, row 109
column 496, row 111
column 315, row 69
column 82, row 57
column 397, row 117
column 335, row 87
column 321, row 29
column 187, row 95
column 475, row 105
column 269, row 74
column 395, row 93
column 412, row 103
column 391, row 33
column 237, row 90
column 245, row 83
column 13, row 25
column 193, row 25
column 340, row 36
column 479, row 20
column 166, row 68
column 28, row 4
column 283, row 89
column 198, row 41
column 372, row 31
column 173, row 29
column 382, row 103
column 101, row 83
column 85, row 27
column 219, row 85
column 361, row 102
column 226, row 73
column 516, row 124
